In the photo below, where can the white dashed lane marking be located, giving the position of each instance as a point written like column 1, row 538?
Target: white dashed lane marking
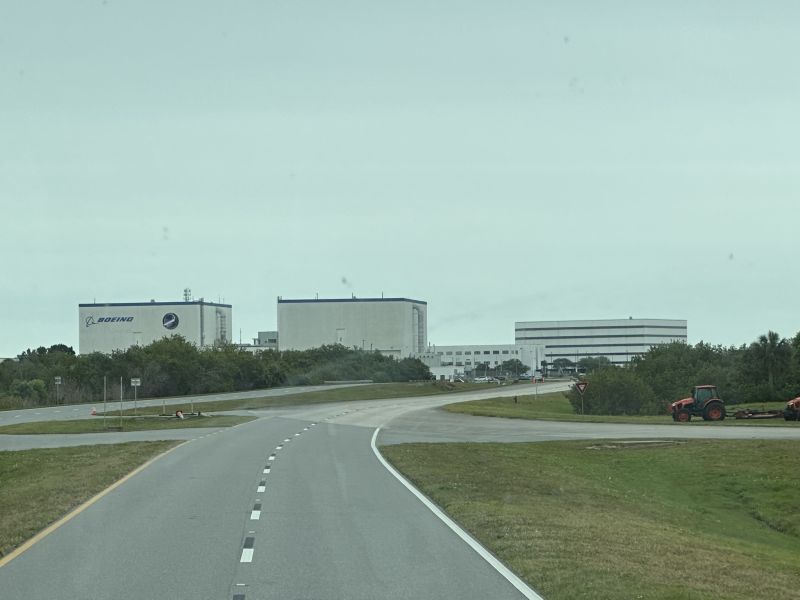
column 271, row 457
column 255, row 514
column 248, row 550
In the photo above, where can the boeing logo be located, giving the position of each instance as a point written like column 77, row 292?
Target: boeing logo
column 90, row 320
column 170, row 320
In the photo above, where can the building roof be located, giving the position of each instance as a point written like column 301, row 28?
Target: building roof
column 324, row 300
column 193, row 302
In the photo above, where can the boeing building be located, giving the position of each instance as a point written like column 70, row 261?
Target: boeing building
column 118, row 326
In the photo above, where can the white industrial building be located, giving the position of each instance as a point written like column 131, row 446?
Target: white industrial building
column 266, row 340
column 393, row 326
column 117, row 326
column 619, row 340
column 467, row 358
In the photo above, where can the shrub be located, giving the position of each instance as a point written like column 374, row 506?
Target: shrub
column 616, row 391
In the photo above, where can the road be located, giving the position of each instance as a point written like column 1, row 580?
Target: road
column 83, row 411
column 325, row 521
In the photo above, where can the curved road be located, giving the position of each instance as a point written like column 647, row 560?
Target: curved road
column 292, row 505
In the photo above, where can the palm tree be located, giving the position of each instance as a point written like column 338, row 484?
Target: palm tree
column 773, row 353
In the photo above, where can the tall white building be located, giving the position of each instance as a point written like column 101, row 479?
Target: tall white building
column 117, row 326
column 393, row 326
column 618, row 340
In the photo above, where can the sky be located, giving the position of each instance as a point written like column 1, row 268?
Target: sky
column 501, row 160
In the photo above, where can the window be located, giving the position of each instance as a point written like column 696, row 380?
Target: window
column 495, row 352
column 467, row 352
column 505, row 351
column 458, row 352
column 449, row 353
column 485, row 352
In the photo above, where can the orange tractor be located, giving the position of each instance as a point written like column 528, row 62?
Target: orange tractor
column 792, row 412
column 704, row 402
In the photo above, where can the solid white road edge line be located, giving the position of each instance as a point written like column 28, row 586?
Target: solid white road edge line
column 521, row 586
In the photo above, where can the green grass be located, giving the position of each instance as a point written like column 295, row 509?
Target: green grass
column 37, row 487
column 96, row 425
column 698, row 520
column 378, row 391
column 556, row 407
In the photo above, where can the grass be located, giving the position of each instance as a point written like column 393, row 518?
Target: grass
column 128, row 424
column 556, row 407
column 378, row 391
column 37, row 487
column 698, row 520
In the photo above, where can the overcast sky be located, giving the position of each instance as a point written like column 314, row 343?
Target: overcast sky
column 501, row 160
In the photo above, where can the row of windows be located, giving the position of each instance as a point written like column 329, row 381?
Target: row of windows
column 571, row 356
column 636, row 326
column 469, row 352
column 468, row 363
column 580, row 346
column 592, row 337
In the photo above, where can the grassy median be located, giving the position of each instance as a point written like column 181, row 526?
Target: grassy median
column 378, row 391
column 39, row 486
column 697, row 520
column 556, row 407
column 114, row 423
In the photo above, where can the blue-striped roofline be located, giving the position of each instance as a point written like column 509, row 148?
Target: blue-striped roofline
column 326, row 300
column 192, row 303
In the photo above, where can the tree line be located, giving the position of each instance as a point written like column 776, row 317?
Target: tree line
column 766, row 370
column 173, row 366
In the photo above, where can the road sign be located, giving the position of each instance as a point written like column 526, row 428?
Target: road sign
column 58, row 380
column 136, row 382
column 581, row 386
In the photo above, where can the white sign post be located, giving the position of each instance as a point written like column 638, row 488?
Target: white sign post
column 135, row 383
column 58, row 385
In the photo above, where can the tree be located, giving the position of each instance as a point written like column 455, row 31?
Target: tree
column 773, row 355
column 514, row 365
column 29, row 391
column 561, row 363
column 616, row 391
column 590, row 364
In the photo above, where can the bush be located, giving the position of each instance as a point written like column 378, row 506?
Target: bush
column 616, row 391
column 30, row 391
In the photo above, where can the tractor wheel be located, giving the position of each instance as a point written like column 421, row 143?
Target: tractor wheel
column 683, row 416
column 714, row 411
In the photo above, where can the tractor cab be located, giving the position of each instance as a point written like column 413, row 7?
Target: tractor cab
column 704, row 402
column 792, row 412
column 704, row 393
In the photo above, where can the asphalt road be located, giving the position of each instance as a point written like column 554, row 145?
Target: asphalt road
column 83, row 411
column 332, row 522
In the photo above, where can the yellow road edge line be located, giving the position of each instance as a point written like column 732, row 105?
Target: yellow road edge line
column 76, row 511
